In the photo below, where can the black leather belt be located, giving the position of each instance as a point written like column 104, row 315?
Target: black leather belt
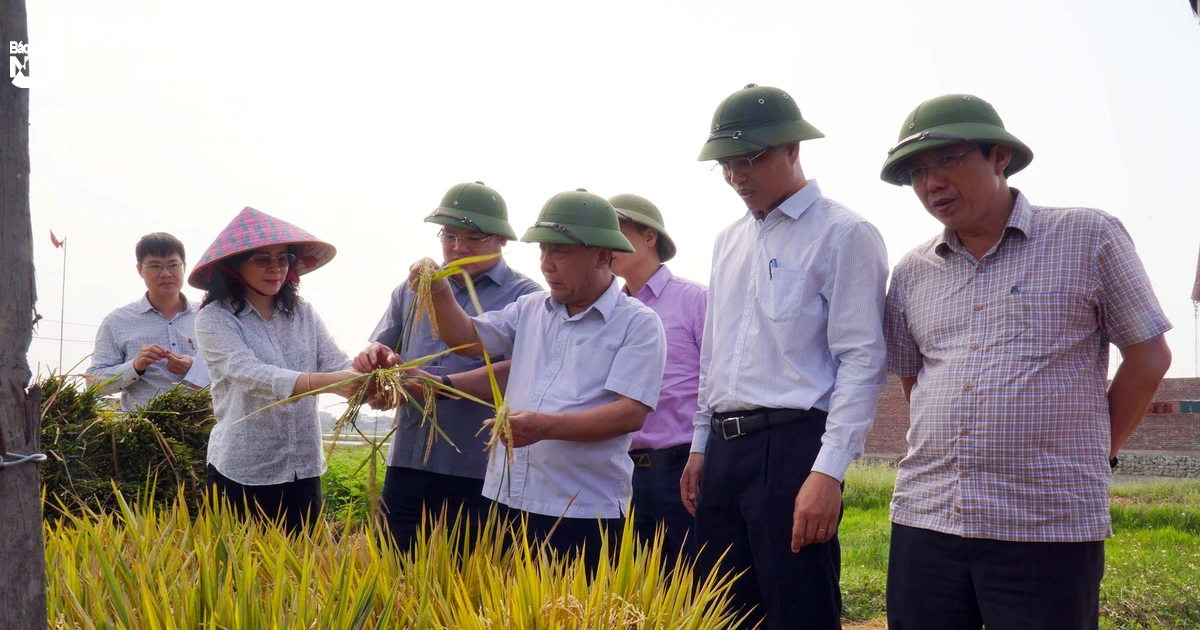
column 735, row 424
column 646, row 458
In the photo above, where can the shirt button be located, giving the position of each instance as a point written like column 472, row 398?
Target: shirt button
column 979, row 307
column 746, row 314
column 738, row 351
column 979, row 269
column 968, row 388
column 974, row 346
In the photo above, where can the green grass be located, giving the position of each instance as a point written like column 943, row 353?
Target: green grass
column 345, row 485
column 1152, row 569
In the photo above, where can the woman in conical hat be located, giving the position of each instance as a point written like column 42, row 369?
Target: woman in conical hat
column 262, row 344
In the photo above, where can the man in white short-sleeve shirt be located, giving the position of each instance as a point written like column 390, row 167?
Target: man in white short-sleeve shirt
column 586, row 369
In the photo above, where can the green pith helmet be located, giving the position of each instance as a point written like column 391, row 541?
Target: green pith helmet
column 642, row 212
column 753, row 119
column 578, row 217
column 474, row 206
column 948, row 120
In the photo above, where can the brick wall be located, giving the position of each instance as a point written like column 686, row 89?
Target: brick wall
column 1172, row 424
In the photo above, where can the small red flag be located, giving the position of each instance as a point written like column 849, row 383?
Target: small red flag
column 54, row 239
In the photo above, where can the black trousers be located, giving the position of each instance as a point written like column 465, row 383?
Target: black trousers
column 298, row 501
column 410, row 495
column 746, row 505
column 938, row 581
column 573, row 537
column 657, row 502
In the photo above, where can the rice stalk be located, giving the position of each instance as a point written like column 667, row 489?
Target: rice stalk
column 422, row 304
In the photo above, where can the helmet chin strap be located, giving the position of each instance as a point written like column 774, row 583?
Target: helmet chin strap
column 292, row 276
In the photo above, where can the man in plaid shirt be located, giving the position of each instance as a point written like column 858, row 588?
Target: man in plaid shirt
column 999, row 329
column 148, row 346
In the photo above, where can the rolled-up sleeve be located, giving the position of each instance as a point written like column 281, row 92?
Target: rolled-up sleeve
column 227, row 354
column 498, row 329
column 855, row 295
column 637, row 367
column 109, row 362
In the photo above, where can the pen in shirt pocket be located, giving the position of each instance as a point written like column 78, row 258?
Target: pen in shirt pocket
column 193, row 346
column 771, row 266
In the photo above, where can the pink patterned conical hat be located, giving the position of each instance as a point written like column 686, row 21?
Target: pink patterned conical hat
column 252, row 229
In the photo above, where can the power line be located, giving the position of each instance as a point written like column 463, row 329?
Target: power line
column 89, row 342
column 70, row 323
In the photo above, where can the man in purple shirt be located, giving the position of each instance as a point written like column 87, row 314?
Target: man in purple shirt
column 660, row 449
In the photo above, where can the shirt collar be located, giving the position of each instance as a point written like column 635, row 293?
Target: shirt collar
column 605, row 304
column 659, row 280
column 144, row 305
column 1019, row 220
column 655, row 284
column 802, row 200
column 498, row 273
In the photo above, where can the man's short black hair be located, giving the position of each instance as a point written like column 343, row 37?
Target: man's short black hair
column 1195, row 7
column 159, row 244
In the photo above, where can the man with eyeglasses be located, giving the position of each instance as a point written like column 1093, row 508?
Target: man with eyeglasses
column 587, row 367
column 474, row 220
column 149, row 346
column 999, row 329
column 791, row 367
column 660, row 450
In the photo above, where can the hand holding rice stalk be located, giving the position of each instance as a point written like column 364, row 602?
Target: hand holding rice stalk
column 422, row 307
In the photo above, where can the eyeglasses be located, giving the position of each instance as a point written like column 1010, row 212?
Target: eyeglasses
column 739, row 165
column 469, row 240
column 155, row 268
column 266, row 261
column 561, row 230
column 942, row 166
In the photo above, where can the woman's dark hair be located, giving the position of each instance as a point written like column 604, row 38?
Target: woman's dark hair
column 158, row 244
column 225, row 287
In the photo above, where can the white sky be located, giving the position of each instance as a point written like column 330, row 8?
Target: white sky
column 352, row 119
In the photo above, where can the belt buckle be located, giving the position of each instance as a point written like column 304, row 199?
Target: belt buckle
column 641, row 460
column 737, row 423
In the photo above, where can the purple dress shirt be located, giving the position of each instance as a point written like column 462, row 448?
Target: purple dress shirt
column 680, row 304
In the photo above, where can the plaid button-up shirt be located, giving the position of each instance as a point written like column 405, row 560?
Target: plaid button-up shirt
column 126, row 331
column 1010, row 429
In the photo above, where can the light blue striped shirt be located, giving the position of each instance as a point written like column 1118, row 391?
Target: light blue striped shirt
column 132, row 327
column 795, row 321
column 562, row 364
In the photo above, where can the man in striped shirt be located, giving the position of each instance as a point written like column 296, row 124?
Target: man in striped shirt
column 147, row 347
column 791, row 367
column 999, row 329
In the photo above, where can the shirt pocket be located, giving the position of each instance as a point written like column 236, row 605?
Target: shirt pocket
column 586, row 369
column 1038, row 326
column 782, row 296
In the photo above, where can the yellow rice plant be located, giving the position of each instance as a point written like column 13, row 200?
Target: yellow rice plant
column 165, row 570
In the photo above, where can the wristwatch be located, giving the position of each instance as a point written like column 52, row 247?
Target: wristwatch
column 1112, row 463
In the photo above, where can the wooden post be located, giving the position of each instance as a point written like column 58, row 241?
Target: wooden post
column 22, row 551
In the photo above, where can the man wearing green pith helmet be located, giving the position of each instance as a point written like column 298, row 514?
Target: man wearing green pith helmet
column 474, row 222
column 587, row 367
column 999, row 329
column 790, row 370
column 661, row 449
